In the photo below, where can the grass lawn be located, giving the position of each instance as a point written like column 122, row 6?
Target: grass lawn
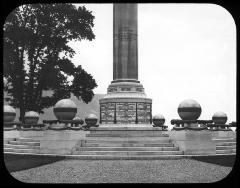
column 227, row 160
column 22, row 162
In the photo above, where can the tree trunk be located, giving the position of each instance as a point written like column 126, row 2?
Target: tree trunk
column 22, row 113
column 21, row 88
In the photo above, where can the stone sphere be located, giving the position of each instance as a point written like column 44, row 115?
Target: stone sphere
column 189, row 110
column 219, row 117
column 31, row 117
column 91, row 120
column 65, row 109
column 78, row 119
column 158, row 119
column 9, row 113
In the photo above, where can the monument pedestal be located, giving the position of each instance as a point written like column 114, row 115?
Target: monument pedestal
column 125, row 103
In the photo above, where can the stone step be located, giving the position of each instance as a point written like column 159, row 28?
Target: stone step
column 130, row 127
column 125, row 135
column 27, row 140
column 21, row 150
column 225, row 147
column 228, row 151
column 155, row 139
column 126, row 140
column 226, row 144
column 128, row 153
column 109, row 144
column 24, row 143
column 128, row 149
column 21, row 146
column 110, row 157
column 124, row 157
column 224, row 139
column 129, row 132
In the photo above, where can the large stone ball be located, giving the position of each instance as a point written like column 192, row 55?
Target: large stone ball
column 158, row 120
column 219, row 117
column 91, row 120
column 65, row 109
column 189, row 110
column 31, row 117
column 9, row 113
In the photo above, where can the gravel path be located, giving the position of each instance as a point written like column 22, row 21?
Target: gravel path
column 125, row 171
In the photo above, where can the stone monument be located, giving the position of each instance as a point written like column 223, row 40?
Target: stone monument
column 125, row 102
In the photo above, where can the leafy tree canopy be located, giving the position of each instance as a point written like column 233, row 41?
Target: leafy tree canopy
column 36, row 55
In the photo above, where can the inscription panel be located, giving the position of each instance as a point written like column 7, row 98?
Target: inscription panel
column 107, row 112
column 143, row 112
column 126, row 113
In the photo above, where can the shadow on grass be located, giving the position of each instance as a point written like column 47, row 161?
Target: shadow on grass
column 15, row 163
column 227, row 160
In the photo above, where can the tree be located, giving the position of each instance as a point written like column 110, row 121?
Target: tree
column 36, row 55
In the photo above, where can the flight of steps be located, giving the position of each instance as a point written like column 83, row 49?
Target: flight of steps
column 22, row 145
column 225, row 146
column 127, row 145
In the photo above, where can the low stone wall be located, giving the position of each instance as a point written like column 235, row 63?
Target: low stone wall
column 61, row 142
column 57, row 142
column 223, row 134
column 10, row 135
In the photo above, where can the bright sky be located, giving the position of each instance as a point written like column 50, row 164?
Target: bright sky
column 185, row 51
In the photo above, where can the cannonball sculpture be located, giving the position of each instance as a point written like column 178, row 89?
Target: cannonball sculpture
column 31, row 117
column 219, row 117
column 189, row 110
column 91, row 120
column 158, row 120
column 9, row 113
column 65, row 109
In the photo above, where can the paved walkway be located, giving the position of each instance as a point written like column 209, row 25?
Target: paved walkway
column 125, row 171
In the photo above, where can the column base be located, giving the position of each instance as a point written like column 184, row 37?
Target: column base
column 125, row 103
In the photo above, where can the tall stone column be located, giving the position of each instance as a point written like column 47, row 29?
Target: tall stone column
column 125, row 51
column 125, row 102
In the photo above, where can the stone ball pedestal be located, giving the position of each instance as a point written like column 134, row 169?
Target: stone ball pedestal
column 219, row 117
column 192, row 142
column 9, row 113
column 158, row 120
column 189, row 109
column 65, row 109
column 91, row 120
column 31, row 117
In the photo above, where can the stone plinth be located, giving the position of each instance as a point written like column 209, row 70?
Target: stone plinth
column 125, row 108
column 194, row 142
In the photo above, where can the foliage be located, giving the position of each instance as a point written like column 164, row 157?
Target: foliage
column 37, row 56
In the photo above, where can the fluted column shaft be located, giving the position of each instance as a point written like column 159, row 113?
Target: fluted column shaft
column 125, row 44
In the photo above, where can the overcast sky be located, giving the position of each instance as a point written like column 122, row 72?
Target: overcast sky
column 185, row 51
